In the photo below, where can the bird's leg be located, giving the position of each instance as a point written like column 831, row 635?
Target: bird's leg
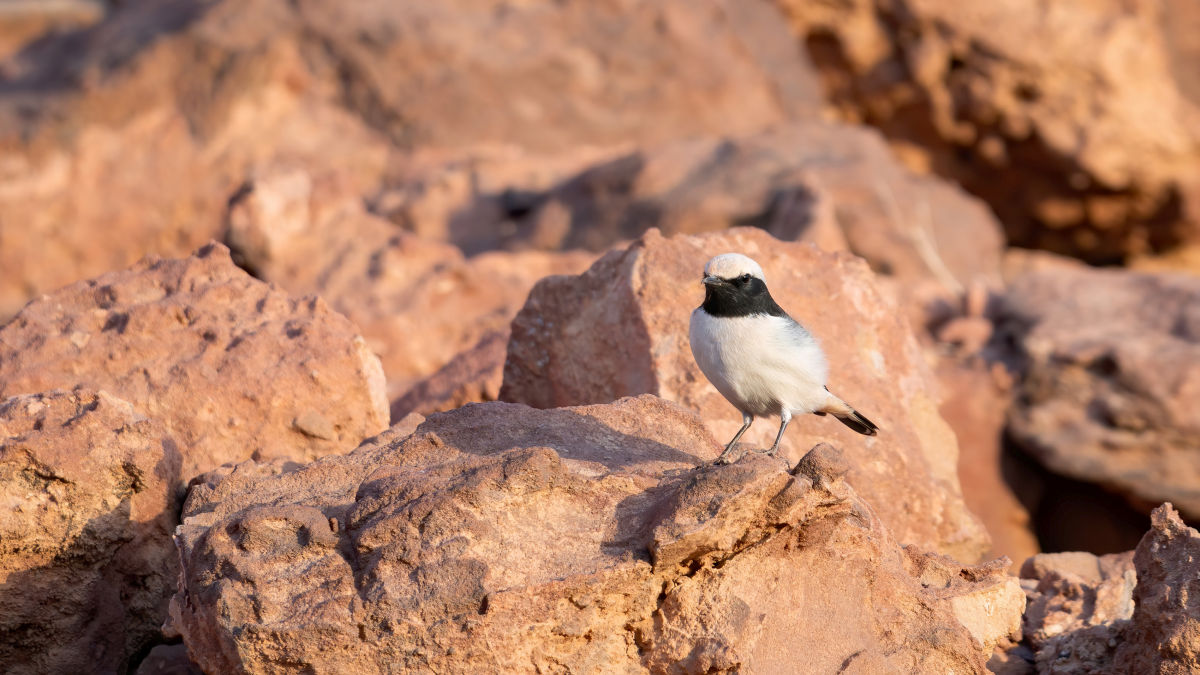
column 725, row 457
column 785, row 416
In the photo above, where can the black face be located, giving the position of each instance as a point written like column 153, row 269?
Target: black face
column 741, row 296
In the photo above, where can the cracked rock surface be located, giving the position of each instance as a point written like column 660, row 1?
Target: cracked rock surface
column 231, row 366
column 502, row 538
column 87, row 503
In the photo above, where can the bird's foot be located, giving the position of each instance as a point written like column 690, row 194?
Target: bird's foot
column 772, row 451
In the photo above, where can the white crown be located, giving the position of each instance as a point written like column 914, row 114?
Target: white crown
column 731, row 265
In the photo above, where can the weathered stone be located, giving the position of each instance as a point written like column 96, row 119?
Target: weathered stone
column 232, row 367
column 621, row 329
column 501, row 538
column 88, row 500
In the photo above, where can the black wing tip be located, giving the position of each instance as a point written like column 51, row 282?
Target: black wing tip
column 856, row 421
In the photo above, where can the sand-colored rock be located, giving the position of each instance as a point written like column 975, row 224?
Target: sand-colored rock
column 1163, row 636
column 419, row 303
column 974, row 403
column 88, row 500
column 232, row 367
column 1110, row 386
column 501, row 538
column 1078, row 604
column 1078, row 122
column 168, row 106
column 621, row 328
column 833, row 184
column 474, row 376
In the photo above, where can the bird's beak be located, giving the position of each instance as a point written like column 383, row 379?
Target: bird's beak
column 712, row 281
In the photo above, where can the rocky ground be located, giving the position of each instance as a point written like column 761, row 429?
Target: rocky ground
column 352, row 337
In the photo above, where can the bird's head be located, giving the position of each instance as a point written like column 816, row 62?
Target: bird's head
column 733, row 280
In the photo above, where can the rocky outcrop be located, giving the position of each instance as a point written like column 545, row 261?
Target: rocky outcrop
column 1078, row 605
column 833, row 184
column 1079, row 125
column 1164, row 634
column 88, row 500
column 418, row 303
column 1110, row 362
column 168, row 106
column 621, row 329
column 232, row 367
column 501, row 538
column 1090, row 614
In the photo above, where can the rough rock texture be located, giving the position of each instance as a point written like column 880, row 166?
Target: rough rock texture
column 232, row 367
column 621, row 328
column 500, row 538
column 88, row 500
column 1078, row 121
column 833, row 184
column 1078, row 605
column 1125, row 613
column 418, row 303
column 474, row 376
column 168, row 104
column 1164, row 634
column 1110, row 391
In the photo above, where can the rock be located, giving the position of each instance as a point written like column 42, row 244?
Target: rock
column 474, row 376
column 418, row 303
column 1110, row 362
column 975, row 400
column 88, row 501
column 168, row 660
column 1078, row 595
column 24, row 21
column 501, row 538
column 833, row 184
column 1090, row 615
column 1163, row 635
column 1080, row 126
column 621, row 329
column 231, row 367
column 194, row 94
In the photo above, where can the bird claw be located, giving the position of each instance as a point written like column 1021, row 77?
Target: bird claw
column 729, row 457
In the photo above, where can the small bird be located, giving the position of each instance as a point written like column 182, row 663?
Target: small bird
column 760, row 359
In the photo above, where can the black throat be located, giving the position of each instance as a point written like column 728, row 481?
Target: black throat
column 740, row 298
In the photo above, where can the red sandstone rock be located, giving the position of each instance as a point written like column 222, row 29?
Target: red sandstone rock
column 88, row 501
column 127, row 138
column 621, row 328
column 500, row 538
column 1079, row 124
column 418, row 303
column 1110, row 390
column 232, row 367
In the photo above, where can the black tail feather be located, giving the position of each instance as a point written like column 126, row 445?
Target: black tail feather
column 857, row 422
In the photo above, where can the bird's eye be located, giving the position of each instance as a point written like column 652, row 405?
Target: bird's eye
column 745, row 278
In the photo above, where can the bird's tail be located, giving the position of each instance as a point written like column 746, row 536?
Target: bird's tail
column 849, row 416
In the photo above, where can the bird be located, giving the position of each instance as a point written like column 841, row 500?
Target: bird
column 757, row 356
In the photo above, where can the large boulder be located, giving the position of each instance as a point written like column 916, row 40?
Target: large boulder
column 1109, row 391
column 167, row 105
column 88, row 501
column 419, row 303
column 232, row 367
column 621, row 328
column 501, row 538
column 1078, row 123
